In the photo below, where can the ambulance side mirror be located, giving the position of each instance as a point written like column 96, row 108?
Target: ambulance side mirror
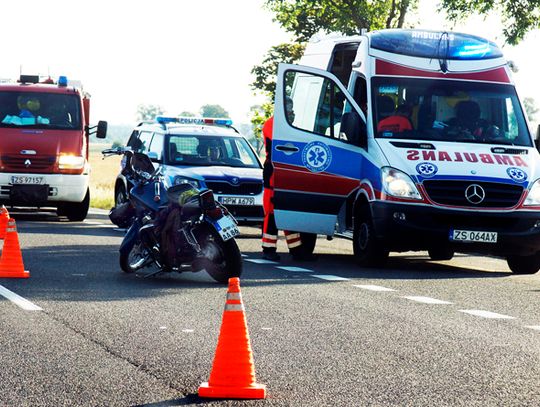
column 354, row 128
column 537, row 138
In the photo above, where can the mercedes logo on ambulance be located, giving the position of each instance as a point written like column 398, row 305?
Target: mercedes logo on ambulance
column 475, row 194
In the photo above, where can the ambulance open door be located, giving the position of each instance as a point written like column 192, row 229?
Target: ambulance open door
column 317, row 149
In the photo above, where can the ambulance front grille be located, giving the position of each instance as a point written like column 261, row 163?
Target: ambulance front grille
column 497, row 195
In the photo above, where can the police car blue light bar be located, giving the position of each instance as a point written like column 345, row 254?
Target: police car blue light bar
column 195, row 120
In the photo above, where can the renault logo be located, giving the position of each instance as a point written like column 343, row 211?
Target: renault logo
column 475, row 194
column 27, row 163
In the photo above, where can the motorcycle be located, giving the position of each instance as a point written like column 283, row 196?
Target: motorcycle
column 176, row 228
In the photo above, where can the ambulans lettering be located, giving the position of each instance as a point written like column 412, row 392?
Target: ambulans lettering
column 485, row 158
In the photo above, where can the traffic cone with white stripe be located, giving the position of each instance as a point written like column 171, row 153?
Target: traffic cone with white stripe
column 233, row 371
column 11, row 262
column 4, row 216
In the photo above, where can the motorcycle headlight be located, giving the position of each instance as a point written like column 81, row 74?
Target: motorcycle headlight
column 398, row 184
column 178, row 180
column 533, row 197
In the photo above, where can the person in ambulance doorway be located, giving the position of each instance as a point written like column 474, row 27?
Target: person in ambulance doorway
column 398, row 122
column 270, row 231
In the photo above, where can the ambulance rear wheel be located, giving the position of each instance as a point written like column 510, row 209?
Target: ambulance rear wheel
column 368, row 250
column 524, row 264
column 309, row 240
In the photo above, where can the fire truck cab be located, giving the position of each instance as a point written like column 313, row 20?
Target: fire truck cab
column 44, row 138
column 407, row 140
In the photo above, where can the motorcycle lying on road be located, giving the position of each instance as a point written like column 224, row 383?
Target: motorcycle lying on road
column 176, row 228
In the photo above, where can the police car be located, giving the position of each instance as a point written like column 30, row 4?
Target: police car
column 206, row 153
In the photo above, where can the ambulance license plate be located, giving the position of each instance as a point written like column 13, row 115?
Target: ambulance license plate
column 237, row 200
column 25, row 179
column 227, row 228
column 473, row 236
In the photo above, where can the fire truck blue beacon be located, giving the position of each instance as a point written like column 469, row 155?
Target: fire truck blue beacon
column 407, row 140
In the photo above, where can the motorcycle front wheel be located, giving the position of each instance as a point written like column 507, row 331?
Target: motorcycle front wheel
column 222, row 260
column 137, row 258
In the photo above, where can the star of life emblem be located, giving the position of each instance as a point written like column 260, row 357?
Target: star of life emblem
column 316, row 156
column 516, row 174
column 427, row 169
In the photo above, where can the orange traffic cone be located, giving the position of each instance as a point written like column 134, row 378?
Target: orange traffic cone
column 4, row 216
column 233, row 372
column 11, row 264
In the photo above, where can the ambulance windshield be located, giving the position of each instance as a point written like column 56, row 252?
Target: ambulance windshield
column 457, row 111
column 40, row 110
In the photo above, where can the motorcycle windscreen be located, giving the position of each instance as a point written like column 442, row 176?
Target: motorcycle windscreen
column 316, row 160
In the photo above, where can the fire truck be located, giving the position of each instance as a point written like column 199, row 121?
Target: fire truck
column 407, row 140
column 44, row 139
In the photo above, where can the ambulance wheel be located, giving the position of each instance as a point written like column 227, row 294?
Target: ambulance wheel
column 524, row 264
column 75, row 211
column 308, row 242
column 440, row 253
column 368, row 250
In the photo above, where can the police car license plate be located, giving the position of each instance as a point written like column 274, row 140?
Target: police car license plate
column 237, row 200
column 227, row 228
column 473, row 236
column 25, row 179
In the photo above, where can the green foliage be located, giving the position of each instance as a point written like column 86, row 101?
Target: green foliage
column 214, row 111
column 304, row 18
column 148, row 112
column 186, row 114
column 265, row 74
column 518, row 16
column 530, row 108
column 259, row 115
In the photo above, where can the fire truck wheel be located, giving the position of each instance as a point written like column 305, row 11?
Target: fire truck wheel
column 308, row 242
column 77, row 211
column 368, row 250
column 440, row 254
column 524, row 264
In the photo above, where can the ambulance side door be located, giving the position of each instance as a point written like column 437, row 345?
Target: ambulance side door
column 317, row 151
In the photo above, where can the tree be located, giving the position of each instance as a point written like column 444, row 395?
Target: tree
column 530, row 108
column 259, row 114
column 185, row 113
column 148, row 112
column 518, row 16
column 214, row 111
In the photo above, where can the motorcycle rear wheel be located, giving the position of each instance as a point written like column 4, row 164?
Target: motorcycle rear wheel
column 225, row 260
column 137, row 258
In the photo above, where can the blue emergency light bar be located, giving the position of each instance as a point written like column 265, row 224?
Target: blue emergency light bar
column 194, row 120
column 434, row 44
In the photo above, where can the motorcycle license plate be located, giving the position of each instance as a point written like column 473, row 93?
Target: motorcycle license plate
column 473, row 236
column 227, row 228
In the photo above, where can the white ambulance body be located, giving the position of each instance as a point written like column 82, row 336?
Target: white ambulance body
column 408, row 140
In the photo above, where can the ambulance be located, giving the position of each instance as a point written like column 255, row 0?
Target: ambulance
column 407, row 140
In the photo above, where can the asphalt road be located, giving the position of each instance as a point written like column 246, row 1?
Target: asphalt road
column 464, row 332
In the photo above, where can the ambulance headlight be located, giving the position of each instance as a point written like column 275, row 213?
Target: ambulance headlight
column 533, row 197
column 398, row 184
column 178, row 180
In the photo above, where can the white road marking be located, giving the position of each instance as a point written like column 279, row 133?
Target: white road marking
column 297, row 269
column 328, row 277
column 426, row 300
column 535, row 327
column 18, row 300
column 373, row 287
column 91, row 222
column 485, row 314
column 188, row 331
column 78, row 274
column 261, row 261
column 266, row 329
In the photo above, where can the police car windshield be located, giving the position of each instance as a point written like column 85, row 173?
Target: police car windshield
column 205, row 150
column 456, row 111
column 40, row 110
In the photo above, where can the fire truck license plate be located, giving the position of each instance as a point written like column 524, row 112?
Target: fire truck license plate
column 473, row 236
column 24, row 179
column 237, row 200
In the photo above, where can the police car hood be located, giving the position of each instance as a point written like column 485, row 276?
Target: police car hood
column 221, row 173
column 445, row 160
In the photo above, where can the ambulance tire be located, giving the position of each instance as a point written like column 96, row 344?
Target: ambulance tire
column 309, row 240
column 439, row 254
column 524, row 264
column 368, row 250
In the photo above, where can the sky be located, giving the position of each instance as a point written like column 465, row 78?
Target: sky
column 179, row 54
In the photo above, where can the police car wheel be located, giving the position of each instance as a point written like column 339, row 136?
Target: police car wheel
column 368, row 250
column 524, row 264
column 120, row 196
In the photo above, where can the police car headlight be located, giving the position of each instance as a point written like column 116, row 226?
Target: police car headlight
column 398, row 184
column 184, row 180
column 533, row 197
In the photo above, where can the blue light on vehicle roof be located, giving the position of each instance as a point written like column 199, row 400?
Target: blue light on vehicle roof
column 62, row 81
column 473, row 50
